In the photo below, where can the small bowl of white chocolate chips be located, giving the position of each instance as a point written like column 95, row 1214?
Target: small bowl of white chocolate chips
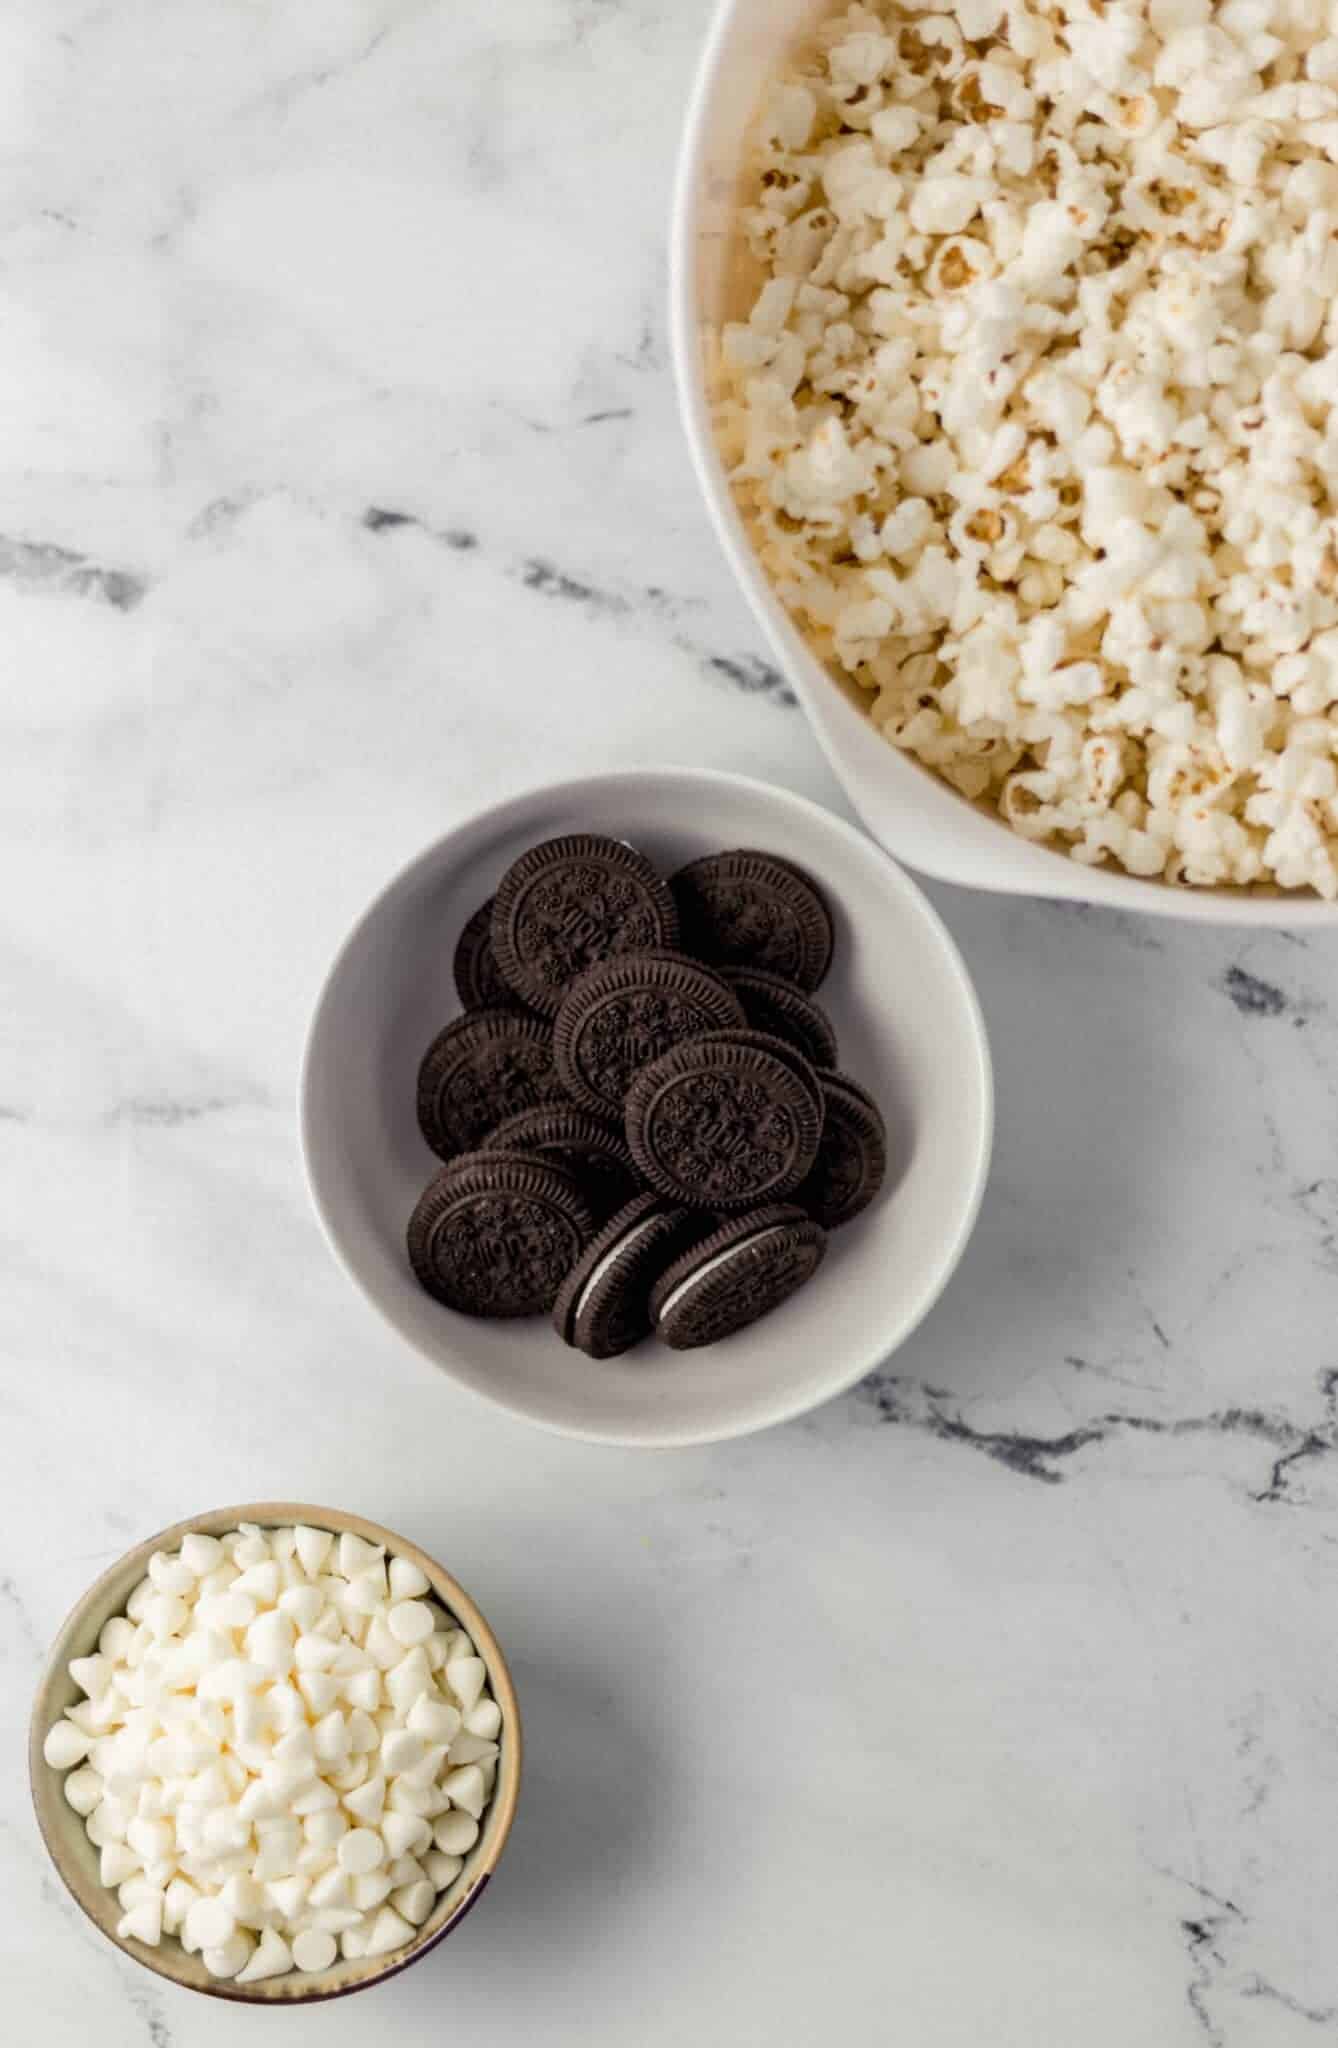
column 275, row 1754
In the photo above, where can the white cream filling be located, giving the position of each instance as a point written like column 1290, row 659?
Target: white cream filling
column 711, row 1266
column 624, row 1244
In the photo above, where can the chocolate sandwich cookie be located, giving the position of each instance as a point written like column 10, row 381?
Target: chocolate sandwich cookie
column 751, row 909
column 736, row 1275
column 626, row 1013
column 603, row 1305
column 570, row 903
column 478, row 981
column 484, row 1067
column 776, row 1006
column 725, row 1122
column 496, row 1233
column 595, row 1156
column 780, row 1049
column 852, row 1155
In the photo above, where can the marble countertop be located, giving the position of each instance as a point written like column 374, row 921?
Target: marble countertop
column 340, row 491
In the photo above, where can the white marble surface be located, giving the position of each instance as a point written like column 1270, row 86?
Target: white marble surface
column 995, row 1703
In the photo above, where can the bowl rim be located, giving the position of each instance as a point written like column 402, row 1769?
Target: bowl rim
column 106, row 1597
column 1052, row 874
column 498, row 817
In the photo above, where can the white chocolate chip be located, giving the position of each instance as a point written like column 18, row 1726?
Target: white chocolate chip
column 466, row 1676
column 209, row 1924
column 83, row 1790
column 313, row 1548
column 116, row 1862
column 366, row 1801
column 402, row 1833
column 360, row 1850
column 232, row 1957
column 389, row 1931
column 464, row 1788
column 442, row 1869
column 201, row 1554
column 410, row 1622
column 485, row 1719
column 371, row 1888
column 406, row 1580
column 414, row 1901
column 143, row 1922
column 434, row 1720
column 314, row 1950
column 65, row 1745
column 92, row 1674
column 272, row 1958
column 455, row 1833
column 401, row 1749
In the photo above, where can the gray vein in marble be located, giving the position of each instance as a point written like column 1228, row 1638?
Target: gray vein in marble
column 12, row 1602
column 169, row 1112
column 755, row 677
column 146, row 2005
column 913, row 1405
column 1313, row 1444
column 1205, row 1939
column 1318, row 1203
column 43, row 565
column 1317, row 2015
column 1206, row 1960
column 548, row 579
column 139, row 1993
column 1136, row 932
column 281, row 96
column 1253, row 997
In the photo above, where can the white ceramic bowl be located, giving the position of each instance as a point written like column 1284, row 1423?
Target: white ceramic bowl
column 910, row 1030
column 713, row 279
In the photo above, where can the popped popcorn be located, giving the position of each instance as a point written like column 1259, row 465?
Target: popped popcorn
column 1035, row 420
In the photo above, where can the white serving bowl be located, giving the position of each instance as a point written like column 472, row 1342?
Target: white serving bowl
column 910, row 1029
column 714, row 279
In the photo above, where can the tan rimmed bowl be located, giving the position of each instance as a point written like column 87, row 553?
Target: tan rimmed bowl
column 75, row 1857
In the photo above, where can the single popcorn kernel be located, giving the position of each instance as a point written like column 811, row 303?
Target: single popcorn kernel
column 955, row 272
column 986, row 526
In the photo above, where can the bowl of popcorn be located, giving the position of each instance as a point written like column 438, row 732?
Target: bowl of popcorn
column 1007, row 345
column 275, row 1754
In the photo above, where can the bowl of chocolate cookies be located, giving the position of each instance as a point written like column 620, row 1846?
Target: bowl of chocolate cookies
column 654, row 1107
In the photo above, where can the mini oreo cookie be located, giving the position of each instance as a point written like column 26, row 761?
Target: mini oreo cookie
column 852, row 1156
column 735, row 1276
column 776, row 1006
column 752, row 909
column 569, row 904
column 594, row 1155
column 478, row 979
column 627, row 1012
column 727, row 1121
column 603, row 1305
column 484, row 1067
column 496, row 1233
